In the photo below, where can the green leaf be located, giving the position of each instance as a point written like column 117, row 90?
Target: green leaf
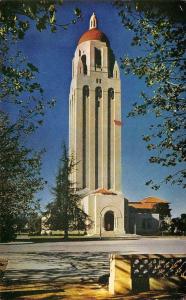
column 77, row 12
column 32, row 67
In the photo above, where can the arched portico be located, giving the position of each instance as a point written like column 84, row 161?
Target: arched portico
column 110, row 217
column 109, row 221
column 106, row 213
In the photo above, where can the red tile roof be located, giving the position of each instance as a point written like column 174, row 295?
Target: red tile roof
column 153, row 200
column 142, row 205
column 104, row 192
column 147, row 203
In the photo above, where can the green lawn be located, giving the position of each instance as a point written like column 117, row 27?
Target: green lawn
column 56, row 236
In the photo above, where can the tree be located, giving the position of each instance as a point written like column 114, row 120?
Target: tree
column 29, row 222
column 183, row 223
column 163, row 210
column 23, row 107
column 16, row 16
column 178, row 225
column 19, row 87
column 34, row 223
column 159, row 34
column 64, row 211
column 19, row 179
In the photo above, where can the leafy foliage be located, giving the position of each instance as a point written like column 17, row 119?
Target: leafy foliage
column 163, row 210
column 64, row 211
column 178, row 225
column 18, row 84
column 23, row 107
column 174, row 226
column 21, row 94
column 33, row 225
column 159, row 33
column 29, row 222
column 16, row 16
column 19, row 179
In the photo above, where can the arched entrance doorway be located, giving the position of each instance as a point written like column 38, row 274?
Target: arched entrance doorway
column 109, row 220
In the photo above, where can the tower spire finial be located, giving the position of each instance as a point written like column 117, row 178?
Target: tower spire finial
column 93, row 21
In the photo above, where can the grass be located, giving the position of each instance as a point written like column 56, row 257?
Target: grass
column 55, row 237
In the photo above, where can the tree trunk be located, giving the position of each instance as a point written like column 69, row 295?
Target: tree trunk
column 66, row 234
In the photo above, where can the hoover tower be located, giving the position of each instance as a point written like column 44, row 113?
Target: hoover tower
column 95, row 129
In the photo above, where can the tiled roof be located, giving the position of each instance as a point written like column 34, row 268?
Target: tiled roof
column 104, row 192
column 142, row 205
column 152, row 199
column 147, row 203
column 93, row 34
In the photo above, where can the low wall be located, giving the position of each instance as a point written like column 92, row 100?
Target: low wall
column 139, row 273
column 3, row 265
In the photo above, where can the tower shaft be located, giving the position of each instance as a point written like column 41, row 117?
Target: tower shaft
column 95, row 113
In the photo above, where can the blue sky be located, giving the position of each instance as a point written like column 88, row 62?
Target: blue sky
column 52, row 53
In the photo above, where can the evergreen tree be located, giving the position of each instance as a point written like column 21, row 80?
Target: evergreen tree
column 64, row 211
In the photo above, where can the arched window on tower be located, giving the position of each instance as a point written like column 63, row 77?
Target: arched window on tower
column 84, row 62
column 98, row 62
column 98, row 92
column 98, row 96
column 110, row 98
column 85, row 91
column 111, row 62
column 84, row 133
column 111, row 93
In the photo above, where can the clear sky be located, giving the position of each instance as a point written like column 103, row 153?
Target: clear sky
column 52, row 53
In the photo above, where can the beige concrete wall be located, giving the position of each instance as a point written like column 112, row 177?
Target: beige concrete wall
column 120, row 280
column 96, row 207
column 120, row 275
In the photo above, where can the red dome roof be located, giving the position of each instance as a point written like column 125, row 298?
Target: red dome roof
column 93, row 34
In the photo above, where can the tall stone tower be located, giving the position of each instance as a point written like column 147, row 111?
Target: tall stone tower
column 95, row 129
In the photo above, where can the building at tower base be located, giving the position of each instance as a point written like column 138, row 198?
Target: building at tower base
column 107, row 211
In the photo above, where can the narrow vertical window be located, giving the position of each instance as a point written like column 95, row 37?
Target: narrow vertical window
column 84, row 133
column 98, row 96
column 97, row 58
column 84, row 62
column 110, row 98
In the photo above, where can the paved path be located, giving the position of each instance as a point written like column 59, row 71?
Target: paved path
column 143, row 245
column 48, row 266
column 85, row 261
